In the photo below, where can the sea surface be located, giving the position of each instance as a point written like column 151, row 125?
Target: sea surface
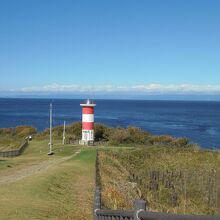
column 196, row 120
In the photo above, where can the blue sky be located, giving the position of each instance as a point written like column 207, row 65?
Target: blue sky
column 112, row 46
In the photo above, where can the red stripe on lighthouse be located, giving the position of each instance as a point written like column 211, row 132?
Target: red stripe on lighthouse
column 88, row 110
column 87, row 126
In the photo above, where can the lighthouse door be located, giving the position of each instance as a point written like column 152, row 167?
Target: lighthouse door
column 85, row 135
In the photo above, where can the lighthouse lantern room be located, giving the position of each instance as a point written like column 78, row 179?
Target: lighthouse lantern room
column 87, row 122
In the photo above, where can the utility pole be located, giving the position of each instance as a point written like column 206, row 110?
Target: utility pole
column 64, row 131
column 50, row 143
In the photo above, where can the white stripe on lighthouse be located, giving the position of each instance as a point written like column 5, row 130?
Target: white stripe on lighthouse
column 88, row 118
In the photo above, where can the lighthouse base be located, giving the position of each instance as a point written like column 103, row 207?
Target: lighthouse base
column 87, row 137
column 86, row 143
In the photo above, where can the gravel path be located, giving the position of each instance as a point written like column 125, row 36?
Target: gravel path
column 33, row 169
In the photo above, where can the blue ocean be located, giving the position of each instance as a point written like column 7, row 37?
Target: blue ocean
column 199, row 121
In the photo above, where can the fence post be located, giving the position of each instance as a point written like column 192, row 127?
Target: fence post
column 139, row 205
column 97, row 205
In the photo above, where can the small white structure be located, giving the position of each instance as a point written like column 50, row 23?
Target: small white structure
column 50, row 143
column 64, row 132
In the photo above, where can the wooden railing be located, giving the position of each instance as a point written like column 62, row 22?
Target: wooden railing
column 139, row 212
column 16, row 152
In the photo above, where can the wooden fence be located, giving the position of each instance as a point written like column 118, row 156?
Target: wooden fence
column 138, row 213
column 16, row 152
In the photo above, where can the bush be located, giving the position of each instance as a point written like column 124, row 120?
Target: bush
column 119, row 136
column 100, row 132
column 115, row 136
column 181, row 142
column 138, row 136
column 74, row 131
column 162, row 139
column 24, row 131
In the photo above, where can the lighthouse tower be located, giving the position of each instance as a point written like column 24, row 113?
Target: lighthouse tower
column 87, row 122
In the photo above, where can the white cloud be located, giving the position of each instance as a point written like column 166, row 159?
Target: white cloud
column 149, row 88
column 142, row 88
column 178, row 88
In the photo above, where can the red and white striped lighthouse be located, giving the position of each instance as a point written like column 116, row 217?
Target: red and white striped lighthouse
column 88, row 122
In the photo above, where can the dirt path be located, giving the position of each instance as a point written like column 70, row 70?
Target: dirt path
column 33, row 169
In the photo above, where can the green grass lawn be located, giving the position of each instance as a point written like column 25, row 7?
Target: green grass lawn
column 63, row 191
column 36, row 152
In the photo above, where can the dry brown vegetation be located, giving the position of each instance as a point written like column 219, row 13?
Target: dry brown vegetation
column 170, row 179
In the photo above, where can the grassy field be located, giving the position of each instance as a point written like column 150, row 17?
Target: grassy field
column 37, row 186
column 171, row 179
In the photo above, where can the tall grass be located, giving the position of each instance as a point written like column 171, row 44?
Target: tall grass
column 170, row 179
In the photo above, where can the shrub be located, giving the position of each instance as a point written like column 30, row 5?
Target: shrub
column 74, row 131
column 100, row 131
column 118, row 136
column 181, row 142
column 24, row 131
column 137, row 135
column 162, row 139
